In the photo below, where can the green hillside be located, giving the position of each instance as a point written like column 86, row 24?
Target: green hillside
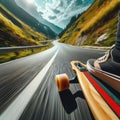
column 14, row 32
column 96, row 26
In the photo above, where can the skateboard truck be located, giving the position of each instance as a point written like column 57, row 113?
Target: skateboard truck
column 62, row 80
column 80, row 67
column 74, row 79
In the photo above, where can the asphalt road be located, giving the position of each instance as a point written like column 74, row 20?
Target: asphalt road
column 28, row 90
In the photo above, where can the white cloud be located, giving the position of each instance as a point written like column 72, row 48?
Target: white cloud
column 57, row 11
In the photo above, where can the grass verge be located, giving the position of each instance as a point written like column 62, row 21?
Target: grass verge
column 19, row 54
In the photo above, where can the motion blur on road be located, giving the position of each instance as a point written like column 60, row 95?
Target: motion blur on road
column 28, row 90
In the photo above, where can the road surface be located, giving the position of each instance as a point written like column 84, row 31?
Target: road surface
column 28, row 90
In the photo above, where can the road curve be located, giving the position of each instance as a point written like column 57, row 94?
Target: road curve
column 45, row 103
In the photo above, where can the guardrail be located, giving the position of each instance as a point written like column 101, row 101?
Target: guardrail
column 12, row 53
column 4, row 50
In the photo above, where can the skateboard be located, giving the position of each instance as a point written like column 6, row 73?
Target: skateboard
column 103, row 100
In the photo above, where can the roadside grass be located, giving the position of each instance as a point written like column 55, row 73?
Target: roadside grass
column 19, row 54
column 109, row 6
column 110, row 28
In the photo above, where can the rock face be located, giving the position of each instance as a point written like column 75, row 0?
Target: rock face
column 81, row 40
column 101, row 38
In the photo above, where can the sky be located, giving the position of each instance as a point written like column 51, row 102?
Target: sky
column 58, row 12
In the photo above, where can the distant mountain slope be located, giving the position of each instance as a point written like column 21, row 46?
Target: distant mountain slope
column 14, row 32
column 96, row 26
column 32, row 11
column 28, row 19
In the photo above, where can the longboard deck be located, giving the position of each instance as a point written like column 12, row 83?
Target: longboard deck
column 104, row 104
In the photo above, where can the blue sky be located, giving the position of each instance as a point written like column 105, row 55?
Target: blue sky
column 58, row 12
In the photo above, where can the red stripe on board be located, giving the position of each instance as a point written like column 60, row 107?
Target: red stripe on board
column 107, row 98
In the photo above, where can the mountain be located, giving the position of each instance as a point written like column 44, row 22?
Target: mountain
column 13, row 32
column 28, row 19
column 73, row 19
column 96, row 26
column 31, row 9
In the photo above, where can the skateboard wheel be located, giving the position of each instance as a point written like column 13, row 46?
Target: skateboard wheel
column 62, row 82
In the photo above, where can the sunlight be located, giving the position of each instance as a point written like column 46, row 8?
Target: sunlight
column 30, row 1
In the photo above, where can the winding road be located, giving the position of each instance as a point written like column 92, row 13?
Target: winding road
column 28, row 90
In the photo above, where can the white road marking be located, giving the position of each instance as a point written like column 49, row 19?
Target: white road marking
column 16, row 108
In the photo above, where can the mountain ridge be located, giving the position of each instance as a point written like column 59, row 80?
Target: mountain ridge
column 100, row 18
column 33, row 12
column 28, row 19
column 13, row 32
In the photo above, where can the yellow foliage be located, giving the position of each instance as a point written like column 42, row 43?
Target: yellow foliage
column 22, row 53
column 25, row 32
column 89, row 19
column 99, row 15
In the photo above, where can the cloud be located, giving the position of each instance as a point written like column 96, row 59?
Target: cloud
column 57, row 11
